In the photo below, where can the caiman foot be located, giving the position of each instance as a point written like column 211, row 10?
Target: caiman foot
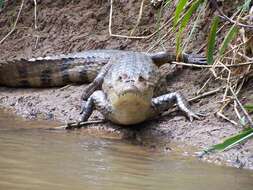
column 96, row 101
column 194, row 115
column 164, row 102
column 194, row 59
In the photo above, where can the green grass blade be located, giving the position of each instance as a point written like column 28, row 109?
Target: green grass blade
column 189, row 13
column 231, row 141
column 1, row 4
column 178, row 11
column 246, row 137
column 195, row 24
column 211, row 40
column 185, row 21
column 249, row 107
column 228, row 38
column 166, row 3
column 246, row 5
column 178, row 42
column 159, row 16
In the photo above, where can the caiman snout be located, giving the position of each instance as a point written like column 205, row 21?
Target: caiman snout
column 128, row 87
column 129, row 80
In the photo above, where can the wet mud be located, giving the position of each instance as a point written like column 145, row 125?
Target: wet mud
column 72, row 26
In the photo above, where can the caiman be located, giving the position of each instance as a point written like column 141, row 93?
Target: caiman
column 126, row 87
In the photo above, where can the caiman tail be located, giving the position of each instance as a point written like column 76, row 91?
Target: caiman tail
column 54, row 71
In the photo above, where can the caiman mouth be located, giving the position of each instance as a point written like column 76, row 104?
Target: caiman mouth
column 130, row 92
column 130, row 107
column 131, row 100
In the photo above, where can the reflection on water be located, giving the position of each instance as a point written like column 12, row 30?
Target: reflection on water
column 33, row 158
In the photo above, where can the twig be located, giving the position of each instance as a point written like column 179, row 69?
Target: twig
column 37, row 40
column 195, row 24
column 35, row 14
column 237, row 113
column 168, row 32
column 76, row 125
column 211, row 66
column 139, row 18
column 237, row 46
column 226, row 118
column 35, row 23
column 158, row 42
column 220, row 29
column 205, row 94
column 15, row 23
column 222, row 15
column 245, row 56
column 242, row 108
column 204, row 85
column 228, row 78
column 131, row 37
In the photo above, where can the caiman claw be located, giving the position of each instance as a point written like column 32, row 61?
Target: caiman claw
column 191, row 115
column 194, row 59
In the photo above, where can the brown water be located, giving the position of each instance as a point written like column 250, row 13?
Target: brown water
column 33, row 158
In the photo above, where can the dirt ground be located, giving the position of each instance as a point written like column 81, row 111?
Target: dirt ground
column 70, row 26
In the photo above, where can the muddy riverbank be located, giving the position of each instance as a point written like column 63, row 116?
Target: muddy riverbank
column 71, row 26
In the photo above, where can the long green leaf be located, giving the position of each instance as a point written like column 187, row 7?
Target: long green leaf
column 249, row 107
column 228, row 38
column 232, row 141
column 166, row 3
column 244, row 138
column 211, row 40
column 189, row 13
column 185, row 21
column 1, row 4
column 178, row 42
column 195, row 24
column 246, row 5
column 180, row 6
column 159, row 16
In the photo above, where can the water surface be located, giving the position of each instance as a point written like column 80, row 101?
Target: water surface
column 38, row 159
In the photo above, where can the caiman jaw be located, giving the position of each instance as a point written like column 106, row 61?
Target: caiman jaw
column 130, row 100
column 129, row 107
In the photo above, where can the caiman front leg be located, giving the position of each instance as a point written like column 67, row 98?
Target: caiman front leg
column 96, row 101
column 97, row 82
column 164, row 102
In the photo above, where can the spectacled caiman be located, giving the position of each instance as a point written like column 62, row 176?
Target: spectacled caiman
column 126, row 87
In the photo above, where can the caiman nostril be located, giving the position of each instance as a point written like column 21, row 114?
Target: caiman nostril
column 129, row 80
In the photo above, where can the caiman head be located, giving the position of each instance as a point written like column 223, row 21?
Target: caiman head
column 129, row 86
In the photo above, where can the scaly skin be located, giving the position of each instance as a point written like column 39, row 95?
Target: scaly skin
column 54, row 71
column 126, row 87
column 60, row 70
column 126, row 91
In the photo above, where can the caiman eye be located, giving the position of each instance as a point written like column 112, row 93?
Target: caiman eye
column 120, row 78
column 141, row 78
